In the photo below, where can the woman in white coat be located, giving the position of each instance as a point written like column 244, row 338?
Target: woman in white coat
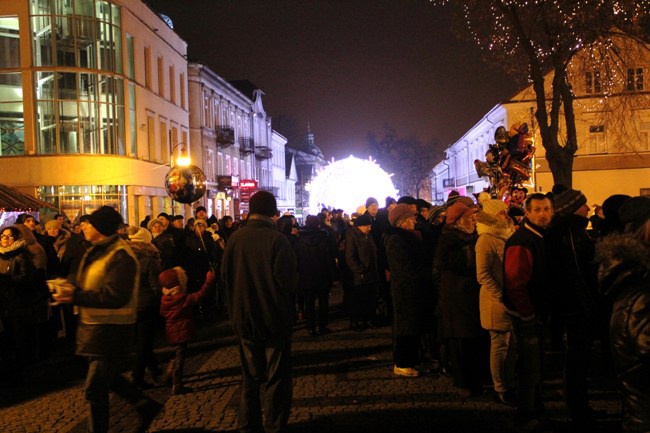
column 494, row 228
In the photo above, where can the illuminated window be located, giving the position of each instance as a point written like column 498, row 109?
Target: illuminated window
column 635, row 79
column 592, row 82
column 12, row 134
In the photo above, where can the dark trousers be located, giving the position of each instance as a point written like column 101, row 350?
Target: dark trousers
column 363, row 302
column 104, row 376
column 469, row 362
column 530, row 349
column 406, row 350
column 178, row 364
column 265, row 362
column 576, row 361
column 322, row 296
column 145, row 330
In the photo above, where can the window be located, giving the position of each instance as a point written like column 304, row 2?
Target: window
column 644, row 134
column 130, row 62
column 172, row 84
column 161, row 76
column 182, row 85
column 12, row 135
column 593, row 83
column 147, row 67
column 634, row 79
column 133, row 143
column 597, row 139
column 151, row 137
column 164, row 144
column 207, row 120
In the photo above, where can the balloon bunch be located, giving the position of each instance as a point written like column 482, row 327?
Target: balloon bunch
column 508, row 161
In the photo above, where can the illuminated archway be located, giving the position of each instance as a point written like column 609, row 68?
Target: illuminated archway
column 346, row 184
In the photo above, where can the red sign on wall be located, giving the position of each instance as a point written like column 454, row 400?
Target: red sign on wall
column 247, row 184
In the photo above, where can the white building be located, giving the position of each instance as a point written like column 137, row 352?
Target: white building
column 93, row 97
column 613, row 132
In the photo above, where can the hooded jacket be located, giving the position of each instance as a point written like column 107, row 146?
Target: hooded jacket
column 490, row 246
column 17, row 292
column 625, row 279
column 176, row 308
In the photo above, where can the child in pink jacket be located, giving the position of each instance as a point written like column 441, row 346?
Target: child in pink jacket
column 176, row 307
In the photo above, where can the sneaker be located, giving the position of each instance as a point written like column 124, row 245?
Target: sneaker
column 407, row 372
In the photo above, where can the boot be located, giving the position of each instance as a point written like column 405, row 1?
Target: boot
column 169, row 372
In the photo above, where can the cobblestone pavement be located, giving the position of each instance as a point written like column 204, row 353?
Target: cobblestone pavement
column 343, row 382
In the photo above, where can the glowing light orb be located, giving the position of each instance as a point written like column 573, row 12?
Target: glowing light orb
column 346, row 184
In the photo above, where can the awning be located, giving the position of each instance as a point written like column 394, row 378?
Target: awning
column 12, row 200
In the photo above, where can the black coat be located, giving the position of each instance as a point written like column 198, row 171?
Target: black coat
column 17, row 288
column 361, row 257
column 409, row 280
column 455, row 260
column 570, row 258
column 316, row 268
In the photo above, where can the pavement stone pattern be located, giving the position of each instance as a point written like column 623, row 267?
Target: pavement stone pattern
column 343, row 382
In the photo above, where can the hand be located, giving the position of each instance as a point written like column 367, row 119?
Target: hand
column 210, row 278
column 63, row 293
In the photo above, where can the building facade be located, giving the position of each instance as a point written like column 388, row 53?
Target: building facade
column 93, row 99
column 612, row 110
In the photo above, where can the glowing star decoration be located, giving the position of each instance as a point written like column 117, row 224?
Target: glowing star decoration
column 346, row 184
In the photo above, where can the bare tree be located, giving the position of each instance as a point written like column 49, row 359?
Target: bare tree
column 409, row 160
column 530, row 38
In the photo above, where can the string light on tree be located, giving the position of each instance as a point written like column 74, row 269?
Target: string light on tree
column 346, row 184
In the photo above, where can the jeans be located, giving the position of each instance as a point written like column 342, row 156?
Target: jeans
column 529, row 368
column 265, row 362
column 502, row 360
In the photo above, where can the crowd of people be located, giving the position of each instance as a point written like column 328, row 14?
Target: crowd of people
column 474, row 289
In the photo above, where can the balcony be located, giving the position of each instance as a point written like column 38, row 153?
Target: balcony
column 263, row 152
column 225, row 136
column 246, row 146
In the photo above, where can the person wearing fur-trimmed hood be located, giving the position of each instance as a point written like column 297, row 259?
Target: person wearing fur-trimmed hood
column 494, row 227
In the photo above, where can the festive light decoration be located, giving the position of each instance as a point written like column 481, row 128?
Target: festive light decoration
column 346, row 184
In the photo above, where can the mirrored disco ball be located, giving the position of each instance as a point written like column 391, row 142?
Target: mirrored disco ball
column 185, row 184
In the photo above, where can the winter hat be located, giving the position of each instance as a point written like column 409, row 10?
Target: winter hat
column 569, row 201
column 263, row 203
column 153, row 221
column 494, row 206
column 407, row 199
column 371, row 200
column 422, row 204
column 635, row 212
column 171, row 278
column 434, row 211
column 457, row 211
column 52, row 224
column 139, row 234
column 390, row 200
column 199, row 209
column 399, row 213
column 106, row 220
column 611, row 205
column 363, row 220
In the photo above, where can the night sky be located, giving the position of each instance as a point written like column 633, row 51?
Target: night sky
column 346, row 66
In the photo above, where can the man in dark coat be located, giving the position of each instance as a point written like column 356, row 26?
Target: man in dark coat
column 316, row 271
column 525, row 284
column 361, row 258
column 259, row 272
column 572, row 293
column 105, row 290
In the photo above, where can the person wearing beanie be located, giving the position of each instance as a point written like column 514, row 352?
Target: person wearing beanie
column 494, row 227
column 259, row 275
column 455, row 263
column 176, row 306
column 370, row 201
column 411, row 201
column 148, row 302
column 201, row 213
column 634, row 212
column 570, row 201
column 361, row 259
column 572, row 293
column 410, row 268
column 106, row 292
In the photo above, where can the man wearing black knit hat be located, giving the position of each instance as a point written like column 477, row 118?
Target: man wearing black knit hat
column 572, row 293
column 259, row 272
column 105, row 290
